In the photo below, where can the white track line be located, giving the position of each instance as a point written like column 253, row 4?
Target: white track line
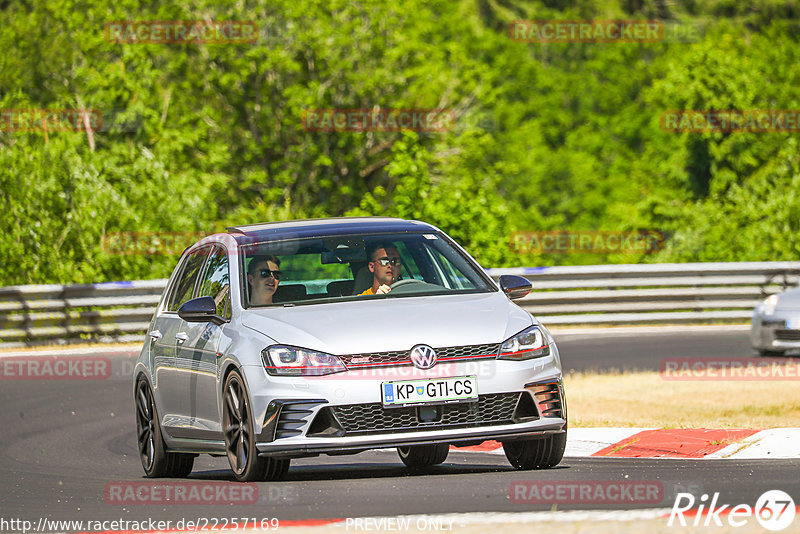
column 447, row 522
column 774, row 443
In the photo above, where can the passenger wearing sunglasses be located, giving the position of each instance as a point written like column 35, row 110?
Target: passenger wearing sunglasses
column 263, row 278
column 385, row 267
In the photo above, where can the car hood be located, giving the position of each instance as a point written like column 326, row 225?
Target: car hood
column 374, row 325
column 789, row 300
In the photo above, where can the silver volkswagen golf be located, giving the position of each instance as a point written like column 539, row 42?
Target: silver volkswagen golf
column 334, row 336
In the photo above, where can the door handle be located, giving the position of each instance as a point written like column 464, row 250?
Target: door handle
column 181, row 337
column 155, row 335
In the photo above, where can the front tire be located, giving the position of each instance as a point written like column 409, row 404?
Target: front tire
column 542, row 453
column 240, row 439
column 767, row 353
column 156, row 461
column 418, row 456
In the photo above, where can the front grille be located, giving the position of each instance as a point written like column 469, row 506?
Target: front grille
column 787, row 335
column 492, row 409
column 400, row 357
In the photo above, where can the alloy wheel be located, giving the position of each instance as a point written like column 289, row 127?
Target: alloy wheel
column 236, row 421
column 145, row 425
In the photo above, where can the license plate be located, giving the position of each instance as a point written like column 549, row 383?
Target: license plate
column 430, row 390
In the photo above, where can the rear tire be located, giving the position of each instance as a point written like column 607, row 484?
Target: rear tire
column 542, row 453
column 418, row 456
column 156, row 461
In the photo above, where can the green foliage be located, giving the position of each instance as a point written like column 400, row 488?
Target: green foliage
column 559, row 136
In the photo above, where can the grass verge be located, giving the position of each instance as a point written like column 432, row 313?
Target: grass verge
column 644, row 399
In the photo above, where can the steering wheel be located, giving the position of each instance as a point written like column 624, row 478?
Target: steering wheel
column 405, row 282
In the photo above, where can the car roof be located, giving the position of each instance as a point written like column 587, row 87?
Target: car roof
column 302, row 228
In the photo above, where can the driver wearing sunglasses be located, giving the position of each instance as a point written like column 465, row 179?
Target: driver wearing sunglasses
column 385, row 266
column 263, row 278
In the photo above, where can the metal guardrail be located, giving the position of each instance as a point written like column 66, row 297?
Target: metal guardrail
column 655, row 293
column 579, row 295
column 109, row 312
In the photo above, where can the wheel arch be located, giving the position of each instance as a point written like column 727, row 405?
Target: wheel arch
column 228, row 367
column 141, row 372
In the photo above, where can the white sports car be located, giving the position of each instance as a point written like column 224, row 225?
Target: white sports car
column 776, row 324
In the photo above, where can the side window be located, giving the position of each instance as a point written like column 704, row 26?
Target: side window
column 454, row 278
column 216, row 281
column 186, row 281
column 410, row 269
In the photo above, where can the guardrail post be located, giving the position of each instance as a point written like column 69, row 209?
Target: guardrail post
column 66, row 322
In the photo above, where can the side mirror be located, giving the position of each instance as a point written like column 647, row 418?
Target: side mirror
column 200, row 310
column 514, row 286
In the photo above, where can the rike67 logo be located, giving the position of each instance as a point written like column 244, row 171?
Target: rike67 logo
column 774, row 510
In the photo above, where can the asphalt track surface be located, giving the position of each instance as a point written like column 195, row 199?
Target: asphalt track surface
column 645, row 349
column 63, row 441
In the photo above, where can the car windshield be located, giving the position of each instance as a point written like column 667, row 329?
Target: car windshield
column 328, row 269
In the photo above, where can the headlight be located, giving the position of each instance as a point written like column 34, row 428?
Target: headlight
column 283, row 360
column 530, row 343
column 769, row 304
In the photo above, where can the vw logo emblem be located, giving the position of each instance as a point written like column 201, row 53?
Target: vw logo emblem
column 423, row 357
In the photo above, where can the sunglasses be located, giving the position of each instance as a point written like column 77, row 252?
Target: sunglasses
column 386, row 261
column 266, row 273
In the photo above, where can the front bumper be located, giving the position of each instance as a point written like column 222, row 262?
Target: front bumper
column 310, row 427
column 345, row 445
column 779, row 331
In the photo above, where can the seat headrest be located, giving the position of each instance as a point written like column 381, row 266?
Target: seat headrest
column 340, row 288
column 363, row 280
column 289, row 292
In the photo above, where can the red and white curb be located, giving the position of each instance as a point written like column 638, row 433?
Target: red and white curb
column 672, row 443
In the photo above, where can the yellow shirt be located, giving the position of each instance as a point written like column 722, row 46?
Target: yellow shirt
column 367, row 292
